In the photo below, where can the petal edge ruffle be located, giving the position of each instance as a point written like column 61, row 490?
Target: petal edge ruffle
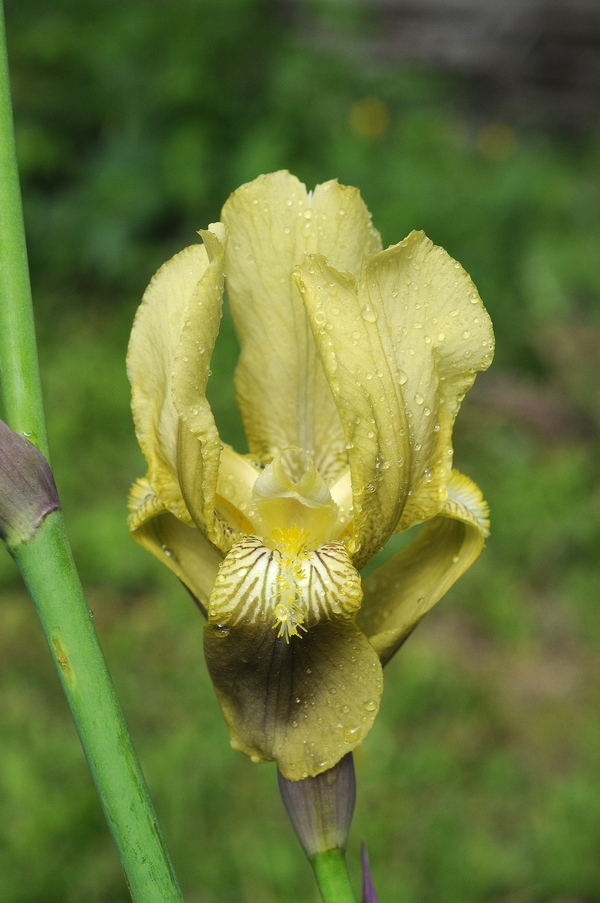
column 182, row 548
column 399, row 593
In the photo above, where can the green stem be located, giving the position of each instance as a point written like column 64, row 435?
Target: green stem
column 332, row 877
column 19, row 369
column 49, row 572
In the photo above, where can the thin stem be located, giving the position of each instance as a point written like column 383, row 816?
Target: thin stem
column 49, row 572
column 332, row 877
column 19, row 369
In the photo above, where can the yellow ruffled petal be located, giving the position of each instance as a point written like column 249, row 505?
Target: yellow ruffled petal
column 150, row 358
column 442, row 336
column 304, row 704
column 356, row 348
column 199, row 445
column 285, row 587
column 283, row 394
column 399, row 593
column 291, row 493
column 182, row 548
column 237, row 476
column 297, row 681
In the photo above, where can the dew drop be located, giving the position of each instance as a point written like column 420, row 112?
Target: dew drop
column 419, row 398
column 369, row 313
column 370, row 705
column 221, row 630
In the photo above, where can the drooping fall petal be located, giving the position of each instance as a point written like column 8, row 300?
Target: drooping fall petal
column 283, row 395
column 400, row 592
column 183, row 549
column 304, row 704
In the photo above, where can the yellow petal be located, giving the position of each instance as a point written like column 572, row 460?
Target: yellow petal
column 183, row 549
column 237, row 476
column 150, row 358
column 399, row 593
column 258, row 583
column 290, row 491
column 297, row 681
column 283, row 394
column 356, row 348
column 199, row 446
column 304, row 704
column 442, row 336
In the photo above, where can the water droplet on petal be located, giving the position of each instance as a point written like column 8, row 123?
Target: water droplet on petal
column 369, row 313
column 222, row 630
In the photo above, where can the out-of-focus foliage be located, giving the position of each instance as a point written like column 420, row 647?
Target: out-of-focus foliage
column 481, row 778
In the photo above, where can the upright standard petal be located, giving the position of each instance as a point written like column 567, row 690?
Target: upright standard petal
column 400, row 592
column 199, row 445
column 283, row 395
column 356, row 350
column 441, row 337
column 150, row 358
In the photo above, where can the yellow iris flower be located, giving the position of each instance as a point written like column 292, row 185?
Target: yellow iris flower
column 354, row 361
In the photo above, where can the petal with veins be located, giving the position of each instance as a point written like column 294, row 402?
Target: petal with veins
column 441, row 336
column 356, row 349
column 283, row 395
column 183, row 549
column 400, row 592
column 154, row 339
column 199, row 446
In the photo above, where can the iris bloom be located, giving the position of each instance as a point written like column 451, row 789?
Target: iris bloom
column 354, row 361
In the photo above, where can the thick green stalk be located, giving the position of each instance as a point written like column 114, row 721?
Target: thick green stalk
column 19, row 369
column 332, row 877
column 49, row 572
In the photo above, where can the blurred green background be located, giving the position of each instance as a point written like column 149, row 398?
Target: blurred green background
column 481, row 778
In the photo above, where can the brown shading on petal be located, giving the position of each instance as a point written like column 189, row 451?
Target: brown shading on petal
column 303, row 704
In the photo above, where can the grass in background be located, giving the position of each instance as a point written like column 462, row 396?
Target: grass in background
column 481, row 777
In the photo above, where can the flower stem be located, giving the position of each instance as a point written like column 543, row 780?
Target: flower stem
column 332, row 877
column 49, row 572
column 50, row 576
column 19, row 370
